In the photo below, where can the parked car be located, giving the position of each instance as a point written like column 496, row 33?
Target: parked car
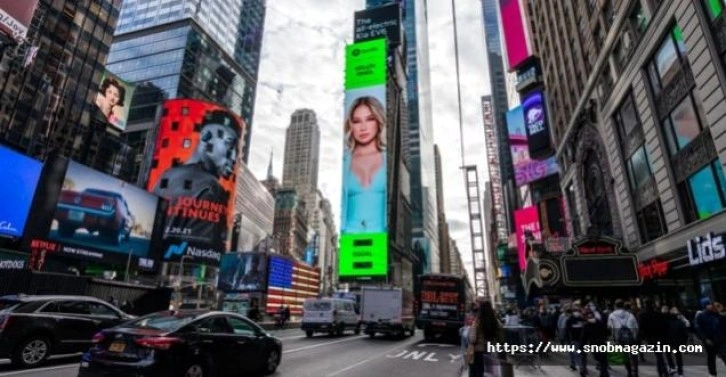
column 97, row 211
column 35, row 327
column 183, row 343
column 329, row 315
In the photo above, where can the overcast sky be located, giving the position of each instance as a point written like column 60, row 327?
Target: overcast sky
column 302, row 67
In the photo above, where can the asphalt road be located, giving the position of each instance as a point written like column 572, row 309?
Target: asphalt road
column 81, row 239
column 325, row 356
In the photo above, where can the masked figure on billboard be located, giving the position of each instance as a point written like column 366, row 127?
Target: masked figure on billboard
column 364, row 164
column 196, row 183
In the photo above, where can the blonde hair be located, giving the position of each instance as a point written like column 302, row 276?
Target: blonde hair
column 377, row 109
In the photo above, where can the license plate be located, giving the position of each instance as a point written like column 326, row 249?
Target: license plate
column 75, row 215
column 117, row 347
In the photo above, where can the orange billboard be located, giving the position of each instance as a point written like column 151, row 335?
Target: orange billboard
column 194, row 166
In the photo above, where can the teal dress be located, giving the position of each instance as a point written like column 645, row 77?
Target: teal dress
column 364, row 208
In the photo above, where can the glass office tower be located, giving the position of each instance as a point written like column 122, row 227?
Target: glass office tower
column 207, row 50
column 420, row 127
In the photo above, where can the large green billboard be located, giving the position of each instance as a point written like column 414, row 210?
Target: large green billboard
column 365, row 64
column 364, row 221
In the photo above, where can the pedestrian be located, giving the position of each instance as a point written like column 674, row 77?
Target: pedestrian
column 512, row 319
column 710, row 329
column 594, row 332
column 564, row 337
column 652, row 323
column 677, row 336
column 254, row 312
column 286, row 315
column 624, row 329
column 574, row 327
column 485, row 330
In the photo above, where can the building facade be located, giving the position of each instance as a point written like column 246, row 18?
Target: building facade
column 179, row 46
column 640, row 132
column 501, row 171
column 419, row 140
column 254, row 209
column 290, row 226
column 442, row 224
column 48, row 85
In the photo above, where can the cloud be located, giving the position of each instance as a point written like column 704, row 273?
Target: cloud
column 302, row 66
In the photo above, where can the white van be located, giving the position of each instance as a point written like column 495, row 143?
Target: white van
column 329, row 315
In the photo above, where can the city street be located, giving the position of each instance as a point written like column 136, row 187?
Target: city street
column 350, row 356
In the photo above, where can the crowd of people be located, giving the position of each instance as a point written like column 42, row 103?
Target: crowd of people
column 585, row 323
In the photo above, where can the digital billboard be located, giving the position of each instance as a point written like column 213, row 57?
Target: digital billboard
column 114, row 99
column 526, row 220
column 379, row 22
column 194, row 166
column 83, row 213
column 243, row 272
column 364, row 223
column 515, row 35
column 536, row 125
column 289, row 283
column 20, row 178
column 15, row 17
column 526, row 170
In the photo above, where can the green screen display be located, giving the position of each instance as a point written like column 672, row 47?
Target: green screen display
column 365, row 64
column 363, row 255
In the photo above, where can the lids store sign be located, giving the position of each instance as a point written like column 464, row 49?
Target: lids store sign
column 706, row 249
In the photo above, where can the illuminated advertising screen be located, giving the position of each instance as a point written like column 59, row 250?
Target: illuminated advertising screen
column 515, row 35
column 536, row 125
column 379, row 22
column 364, row 223
column 243, row 272
column 526, row 220
column 441, row 298
column 83, row 213
column 20, row 178
column 289, row 283
column 194, row 166
column 420, row 247
column 526, row 170
column 114, row 99
column 15, row 17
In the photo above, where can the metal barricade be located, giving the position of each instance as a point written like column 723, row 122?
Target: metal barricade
column 523, row 336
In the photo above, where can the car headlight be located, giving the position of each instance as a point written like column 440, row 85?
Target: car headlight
column 106, row 207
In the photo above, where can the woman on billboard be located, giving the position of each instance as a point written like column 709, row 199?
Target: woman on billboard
column 110, row 100
column 364, row 167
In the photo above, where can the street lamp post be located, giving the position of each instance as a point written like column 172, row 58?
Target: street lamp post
column 128, row 264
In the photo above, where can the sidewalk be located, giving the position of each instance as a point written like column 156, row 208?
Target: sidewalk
column 694, row 366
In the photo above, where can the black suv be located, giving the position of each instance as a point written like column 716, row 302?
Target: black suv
column 34, row 327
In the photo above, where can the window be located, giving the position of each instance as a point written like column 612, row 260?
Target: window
column 639, row 169
column 101, row 310
column 241, row 327
column 638, row 19
column 668, row 59
column 704, row 192
column 682, row 125
column 651, row 222
column 73, row 307
column 214, row 325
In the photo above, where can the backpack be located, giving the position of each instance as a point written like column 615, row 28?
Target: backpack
column 624, row 334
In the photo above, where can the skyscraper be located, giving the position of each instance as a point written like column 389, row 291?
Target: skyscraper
column 48, row 85
column 208, row 50
column 302, row 150
column 420, row 137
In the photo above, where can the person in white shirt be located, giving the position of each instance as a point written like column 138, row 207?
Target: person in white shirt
column 624, row 327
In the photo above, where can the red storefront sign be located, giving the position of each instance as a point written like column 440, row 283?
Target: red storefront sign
column 653, row 269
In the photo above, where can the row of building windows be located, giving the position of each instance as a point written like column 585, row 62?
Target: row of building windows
column 703, row 192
